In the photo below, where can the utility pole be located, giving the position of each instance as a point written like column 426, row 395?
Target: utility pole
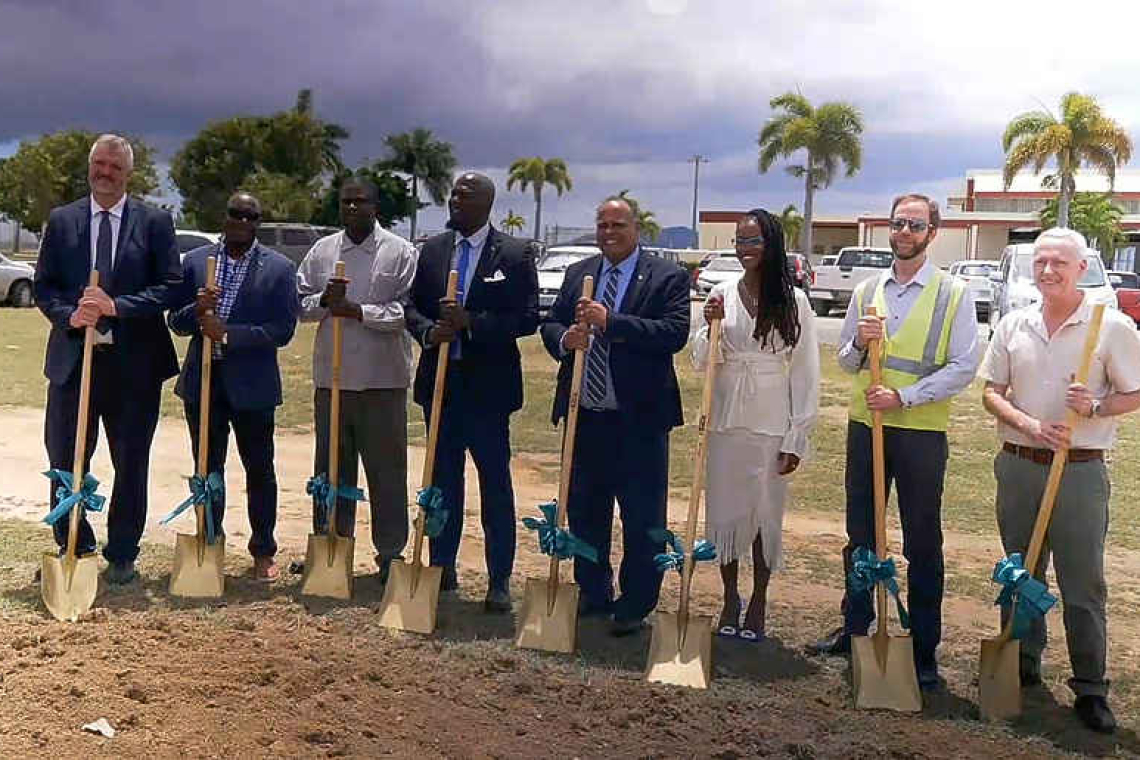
column 696, row 160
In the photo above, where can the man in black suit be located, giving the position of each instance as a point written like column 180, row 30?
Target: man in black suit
column 497, row 304
column 637, row 319
column 132, row 246
column 249, row 314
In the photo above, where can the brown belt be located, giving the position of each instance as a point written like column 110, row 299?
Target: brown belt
column 1045, row 456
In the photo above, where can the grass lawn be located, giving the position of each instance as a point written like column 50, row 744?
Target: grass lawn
column 969, row 489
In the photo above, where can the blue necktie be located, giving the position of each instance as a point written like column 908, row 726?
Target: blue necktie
column 461, row 293
column 598, row 358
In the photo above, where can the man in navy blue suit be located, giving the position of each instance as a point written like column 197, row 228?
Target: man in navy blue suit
column 132, row 246
column 249, row 314
column 497, row 304
column 637, row 319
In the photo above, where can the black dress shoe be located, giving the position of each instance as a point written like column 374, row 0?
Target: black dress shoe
column 450, row 579
column 498, row 601
column 837, row 643
column 1094, row 712
column 622, row 628
column 120, row 573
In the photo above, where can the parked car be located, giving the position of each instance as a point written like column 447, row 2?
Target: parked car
column 704, row 262
column 976, row 273
column 827, row 261
column 719, row 269
column 188, row 240
column 833, row 285
column 552, row 270
column 16, row 283
column 800, row 269
column 1127, row 287
column 1014, row 287
column 289, row 238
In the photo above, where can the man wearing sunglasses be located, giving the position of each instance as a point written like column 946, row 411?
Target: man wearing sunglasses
column 928, row 331
column 249, row 314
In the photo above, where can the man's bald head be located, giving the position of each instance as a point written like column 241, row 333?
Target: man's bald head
column 472, row 197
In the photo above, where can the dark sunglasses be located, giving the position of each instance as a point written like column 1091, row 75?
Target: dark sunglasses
column 917, row 226
column 750, row 242
column 241, row 215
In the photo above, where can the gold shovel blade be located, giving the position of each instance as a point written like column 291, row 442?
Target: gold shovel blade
column 67, row 595
column 885, row 679
column 999, row 679
column 540, row 627
column 409, row 603
column 681, row 660
column 328, row 566
column 194, row 576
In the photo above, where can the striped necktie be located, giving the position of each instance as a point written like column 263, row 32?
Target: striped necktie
column 598, row 358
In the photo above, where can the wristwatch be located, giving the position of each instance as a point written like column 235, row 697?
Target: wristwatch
column 1094, row 408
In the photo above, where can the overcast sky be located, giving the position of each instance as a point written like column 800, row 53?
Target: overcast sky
column 624, row 90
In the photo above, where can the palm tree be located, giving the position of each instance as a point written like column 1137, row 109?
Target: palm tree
column 1083, row 135
column 512, row 222
column 646, row 220
column 793, row 224
column 422, row 157
column 536, row 172
column 1095, row 216
column 331, row 134
column 831, row 134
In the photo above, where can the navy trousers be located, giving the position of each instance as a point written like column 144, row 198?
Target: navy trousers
column 614, row 460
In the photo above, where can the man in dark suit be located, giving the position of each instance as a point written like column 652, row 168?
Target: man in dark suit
column 132, row 246
column 496, row 305
column 637, row 319
column 249, row 314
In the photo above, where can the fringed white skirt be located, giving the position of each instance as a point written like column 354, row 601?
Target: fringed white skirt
column 745, row 495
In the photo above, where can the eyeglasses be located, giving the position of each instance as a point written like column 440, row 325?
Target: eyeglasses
column 750, row 242
column 241, row 215
column 917, row 226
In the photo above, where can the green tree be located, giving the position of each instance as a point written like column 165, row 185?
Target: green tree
column 536, row 173
column 512, row 222
column 830, row 135
column 646, row 220
column 282, row 197
column 395, row 199
column 793, row 223
column 1082, row 136
column 52, row 171
column 1095, row 216
column 332, row 134
column 426, row 160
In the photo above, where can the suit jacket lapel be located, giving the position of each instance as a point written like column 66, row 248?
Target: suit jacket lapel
column 488, row 261
column 83, row 224
column 633, row 292
column 131, row 214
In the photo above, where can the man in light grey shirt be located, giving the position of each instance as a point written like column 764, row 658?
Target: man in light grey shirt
column 928, row 331
column 376, row 364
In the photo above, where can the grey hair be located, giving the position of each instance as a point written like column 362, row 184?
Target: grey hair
column 1061, row 236
column 120, row 143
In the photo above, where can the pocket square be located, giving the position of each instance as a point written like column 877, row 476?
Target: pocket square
column 498, row 276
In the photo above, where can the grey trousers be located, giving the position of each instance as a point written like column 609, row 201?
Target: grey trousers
column 1076, row 541
column 373, row 429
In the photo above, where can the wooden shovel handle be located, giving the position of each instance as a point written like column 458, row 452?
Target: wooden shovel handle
column 879, row 475
column 205, row 377
column 81, row 430
column 701, row 458
column 334, row 407
column 433, row 421
column 569, row 436
column 1060, row 458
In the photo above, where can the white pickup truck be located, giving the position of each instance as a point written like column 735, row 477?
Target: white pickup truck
column 833, row 284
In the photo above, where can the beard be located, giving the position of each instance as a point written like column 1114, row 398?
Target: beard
column 918, row 250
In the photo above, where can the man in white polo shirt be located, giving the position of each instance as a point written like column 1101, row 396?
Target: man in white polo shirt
column 1029, row 370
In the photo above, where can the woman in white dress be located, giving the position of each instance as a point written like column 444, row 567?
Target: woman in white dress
column 765, row 402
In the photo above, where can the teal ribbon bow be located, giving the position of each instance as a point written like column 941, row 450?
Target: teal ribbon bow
column 867, row 570
column 556, row 541
column 206, row 492
column 430, row 500
column 320, row 489
column 1033, row 599
column 67, row 497
column 703, row 551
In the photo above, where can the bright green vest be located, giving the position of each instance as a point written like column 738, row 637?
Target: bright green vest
column 918, row 349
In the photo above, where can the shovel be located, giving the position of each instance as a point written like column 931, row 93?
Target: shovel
column 680, row 651
column 197, row 562
column 882, row 666
column 999, row 673
column 412, row 591
column 329, row 557
column 549, row 616
column 68, row 583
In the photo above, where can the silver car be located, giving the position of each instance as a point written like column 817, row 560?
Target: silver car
column 723, row 267
column 552, row 270
column 976, row 273
column 16, row 283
